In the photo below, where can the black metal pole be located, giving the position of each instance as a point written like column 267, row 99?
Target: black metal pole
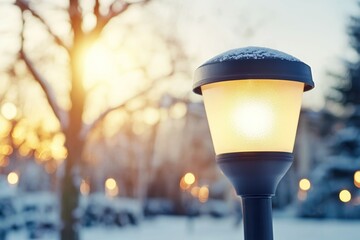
column 255, row 176
column 257, row 217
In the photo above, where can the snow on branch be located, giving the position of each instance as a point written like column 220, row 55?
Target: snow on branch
column 24, row 5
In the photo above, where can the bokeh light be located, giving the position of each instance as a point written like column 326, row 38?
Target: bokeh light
column 151, row 116
column 13, row 178
column 357, row 178
column 6, row 149
column 183, row 184
column 178, row 110
column 203, row 194
column 189, row 178
column 195, row 191
column 111, row 188
column 110, row 183
column 9, row 110
column 345, row 196
column 305, row 184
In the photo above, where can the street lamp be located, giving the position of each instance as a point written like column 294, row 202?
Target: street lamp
column 252, row 98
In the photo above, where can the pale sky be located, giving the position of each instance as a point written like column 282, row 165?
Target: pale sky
column 311, row 30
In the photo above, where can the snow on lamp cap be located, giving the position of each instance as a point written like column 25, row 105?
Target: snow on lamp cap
column 252, row 63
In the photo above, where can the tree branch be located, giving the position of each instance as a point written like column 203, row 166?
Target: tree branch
column 75, row 19
column 115, row 9
column 102, row 21
column 23, row 5
column 49, row 93
column 97, row 8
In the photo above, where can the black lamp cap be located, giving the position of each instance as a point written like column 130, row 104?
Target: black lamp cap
column 252, row 63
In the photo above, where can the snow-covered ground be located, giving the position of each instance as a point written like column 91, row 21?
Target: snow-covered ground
column 179, row 228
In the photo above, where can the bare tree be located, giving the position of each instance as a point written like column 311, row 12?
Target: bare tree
column 71, row 120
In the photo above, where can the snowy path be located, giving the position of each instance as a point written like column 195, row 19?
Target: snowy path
column 177, row 228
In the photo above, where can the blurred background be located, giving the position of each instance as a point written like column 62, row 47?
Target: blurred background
column 101, row 136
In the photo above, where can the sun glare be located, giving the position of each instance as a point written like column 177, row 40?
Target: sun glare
column 98, row 65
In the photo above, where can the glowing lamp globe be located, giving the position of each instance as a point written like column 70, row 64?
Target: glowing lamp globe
column 252, row 98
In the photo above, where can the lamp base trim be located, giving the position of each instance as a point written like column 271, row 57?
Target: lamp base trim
column 255, row 173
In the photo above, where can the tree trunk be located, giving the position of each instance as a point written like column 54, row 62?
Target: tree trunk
column 69, row 203
column 75, row 146
column 70, row 182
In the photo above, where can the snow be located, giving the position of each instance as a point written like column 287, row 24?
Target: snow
column 180, row 228
column 252, row 53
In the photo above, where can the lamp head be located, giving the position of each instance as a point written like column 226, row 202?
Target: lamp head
column 252, row 98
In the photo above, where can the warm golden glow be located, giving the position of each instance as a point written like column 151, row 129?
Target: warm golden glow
column 6, row 149
column 345, row 196
column 195, row 191
column 111, row 188
column 5, row 127
column 302, row 195
column 178, row 110
column 110, row 183
column 304, row 184
column 183, row 185
column 4, row 161
column 84, row 188
column 253, row 115
column 203, row 194
column 24, row 150
column 9, row 111
column 357, row 178
column 151, row 116
column 98, row 64
column 13, row 178
column 189, row 178
column 19, row 133
column 57, row 149
column 254, row 119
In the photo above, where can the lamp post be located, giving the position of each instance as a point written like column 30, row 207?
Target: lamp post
column 252, row 98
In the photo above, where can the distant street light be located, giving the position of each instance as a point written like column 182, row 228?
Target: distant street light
column 252, row 98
